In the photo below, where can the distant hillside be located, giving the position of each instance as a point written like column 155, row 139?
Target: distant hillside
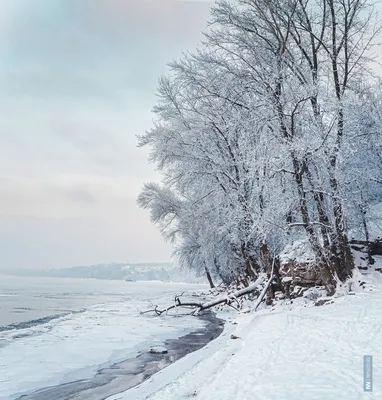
column 116, row 271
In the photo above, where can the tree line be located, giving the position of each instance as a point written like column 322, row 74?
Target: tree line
column 269, row 133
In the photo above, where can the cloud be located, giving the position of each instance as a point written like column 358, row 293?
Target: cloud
column 38, row 82
column 76, row 194
column 27, row 241
column 164, row 17
column 84, row 136
column 78, row 80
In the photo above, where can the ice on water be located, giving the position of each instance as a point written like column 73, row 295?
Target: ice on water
column 77, row 341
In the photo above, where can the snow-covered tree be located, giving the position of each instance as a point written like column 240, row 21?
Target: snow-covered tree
column 256, row 135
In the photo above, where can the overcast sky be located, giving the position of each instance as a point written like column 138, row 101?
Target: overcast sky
column 77, row 83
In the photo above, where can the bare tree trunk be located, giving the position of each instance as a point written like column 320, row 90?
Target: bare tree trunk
column 269, row 265
column 209, row 278
column 370, row 260
column 249, row 269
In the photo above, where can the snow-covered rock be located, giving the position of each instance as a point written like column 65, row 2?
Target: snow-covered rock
column 299, row 252
column 158, row 350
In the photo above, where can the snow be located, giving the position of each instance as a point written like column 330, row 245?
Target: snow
column 300, row 251
column 158, row 350
column 292, row 351
column 75, row 346
column 378, row 262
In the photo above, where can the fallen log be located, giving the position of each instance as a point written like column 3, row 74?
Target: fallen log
column 226, row 300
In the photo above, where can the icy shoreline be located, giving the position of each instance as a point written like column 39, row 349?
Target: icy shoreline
column 286, row 352
column 42, row 351
column 126, row 374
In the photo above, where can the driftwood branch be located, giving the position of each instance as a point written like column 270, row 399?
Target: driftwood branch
column 226, row 300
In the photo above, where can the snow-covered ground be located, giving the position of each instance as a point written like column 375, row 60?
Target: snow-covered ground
column 74, row 346
column 291, row 352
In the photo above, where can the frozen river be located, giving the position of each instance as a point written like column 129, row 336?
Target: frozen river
column 55, row 330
